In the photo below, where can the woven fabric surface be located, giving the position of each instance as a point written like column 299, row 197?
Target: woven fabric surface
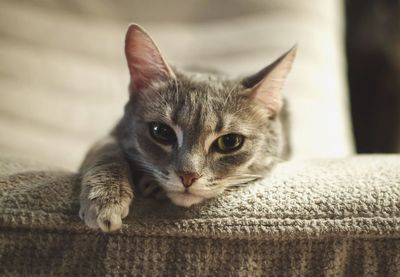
column 320, row 217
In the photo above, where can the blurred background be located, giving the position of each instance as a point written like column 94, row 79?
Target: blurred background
column 373, row 58
column 63, row 75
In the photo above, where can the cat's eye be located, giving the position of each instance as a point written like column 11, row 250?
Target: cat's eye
column 162, row 133
column 228, row 143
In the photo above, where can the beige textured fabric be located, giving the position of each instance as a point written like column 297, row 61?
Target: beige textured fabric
column 317, row 218
column 63, row 78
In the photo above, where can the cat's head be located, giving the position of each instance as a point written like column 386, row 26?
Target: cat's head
column 198, row 135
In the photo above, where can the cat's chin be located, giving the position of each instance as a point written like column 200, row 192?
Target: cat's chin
column 184, row 199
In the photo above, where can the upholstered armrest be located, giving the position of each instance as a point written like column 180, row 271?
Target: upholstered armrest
column 313, row 217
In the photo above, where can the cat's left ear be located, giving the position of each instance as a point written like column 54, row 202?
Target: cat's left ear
column 266, row 85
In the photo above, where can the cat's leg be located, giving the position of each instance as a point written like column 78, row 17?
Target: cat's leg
column 106, row 191
column 149, row 187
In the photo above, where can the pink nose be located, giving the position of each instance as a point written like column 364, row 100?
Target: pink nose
column 188, row 178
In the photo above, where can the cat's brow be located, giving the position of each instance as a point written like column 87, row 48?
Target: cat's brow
column 219, row 125
column 174, row 115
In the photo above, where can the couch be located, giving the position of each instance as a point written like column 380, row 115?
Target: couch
column 333, row 217
column 63, row 83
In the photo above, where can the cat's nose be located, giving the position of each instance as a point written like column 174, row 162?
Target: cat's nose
column 187, row 178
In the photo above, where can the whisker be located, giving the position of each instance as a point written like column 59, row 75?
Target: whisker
column 233, row 184
column 239, row 177
column 235, row 85
column 240, row 110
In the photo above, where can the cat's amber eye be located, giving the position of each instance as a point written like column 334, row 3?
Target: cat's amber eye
column 228, row 143
column 162, row 133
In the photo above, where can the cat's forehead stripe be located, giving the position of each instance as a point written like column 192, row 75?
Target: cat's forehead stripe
column 219, row 123
column 175, row 113
column 179, row 134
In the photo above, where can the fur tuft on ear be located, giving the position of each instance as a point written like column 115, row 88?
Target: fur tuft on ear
column 145, row 62
column 266, row 85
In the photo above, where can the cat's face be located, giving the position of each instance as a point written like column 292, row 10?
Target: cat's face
column 198, row 135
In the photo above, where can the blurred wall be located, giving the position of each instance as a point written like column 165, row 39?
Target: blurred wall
column 63, row 75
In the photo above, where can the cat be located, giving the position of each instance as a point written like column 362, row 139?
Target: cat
column 194, row 135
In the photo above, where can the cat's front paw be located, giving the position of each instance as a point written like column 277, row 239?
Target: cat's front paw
column 107, row 217
column 102, row 206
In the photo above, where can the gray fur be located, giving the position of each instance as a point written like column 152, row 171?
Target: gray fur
column 202, row 107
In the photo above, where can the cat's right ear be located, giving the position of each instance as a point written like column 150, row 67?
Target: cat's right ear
column 266, row 85
column 145, row 62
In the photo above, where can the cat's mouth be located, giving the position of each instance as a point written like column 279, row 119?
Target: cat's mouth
column 184, row 199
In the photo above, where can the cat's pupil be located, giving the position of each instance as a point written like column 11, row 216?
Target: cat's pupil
column 230, row 140
column 229, row 143
column 162, row 133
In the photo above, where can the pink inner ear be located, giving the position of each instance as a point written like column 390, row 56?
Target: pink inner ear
column 145, row 62
column 269, row 89
column 269, row 93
